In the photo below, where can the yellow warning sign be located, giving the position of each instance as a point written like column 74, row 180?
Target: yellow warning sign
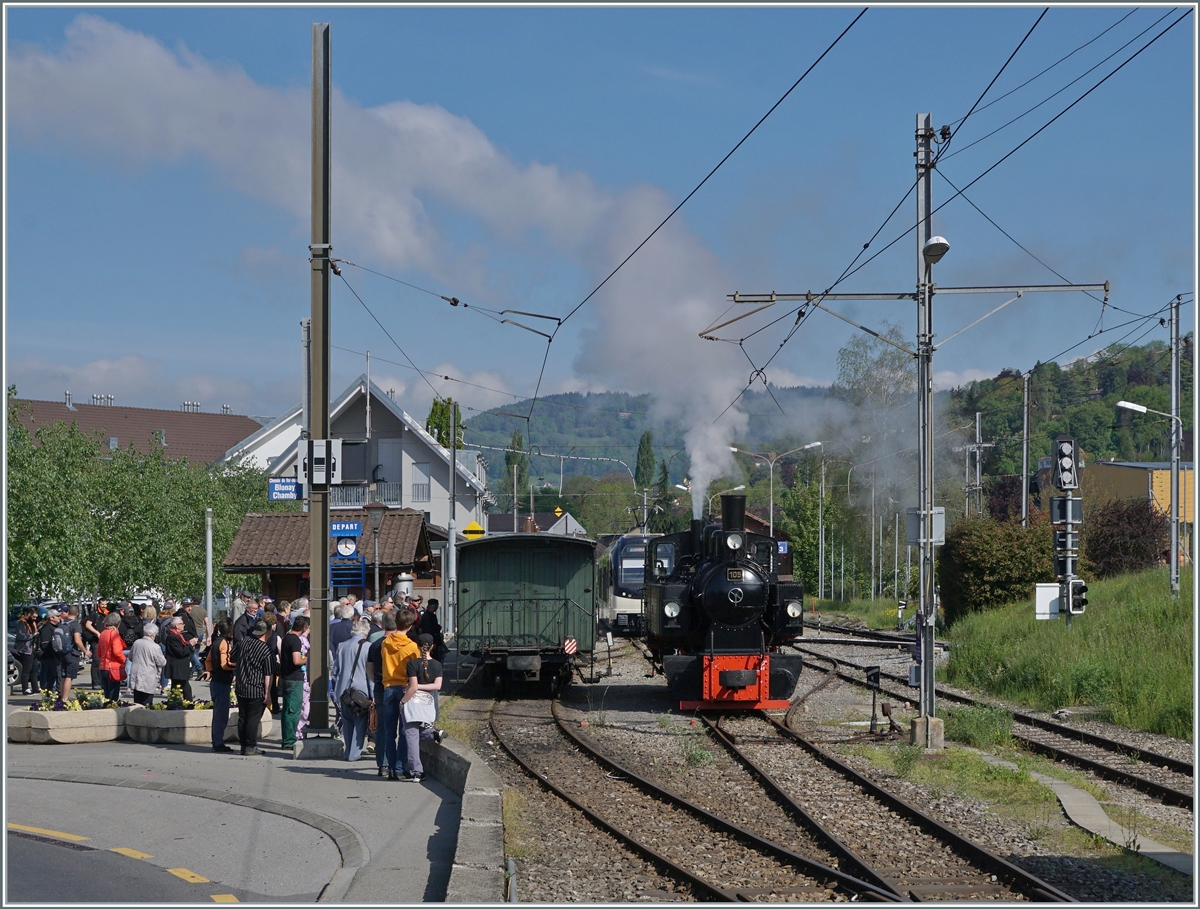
column 557, row 511
column 473, row 531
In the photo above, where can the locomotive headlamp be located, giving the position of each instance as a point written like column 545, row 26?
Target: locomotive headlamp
column 794, row 609
column 734, row 541
column 671, row 609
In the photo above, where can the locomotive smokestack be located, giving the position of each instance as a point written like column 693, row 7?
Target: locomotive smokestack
column 733, row 513
column 697, row 535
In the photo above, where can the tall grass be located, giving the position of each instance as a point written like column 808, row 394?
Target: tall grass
column 1130, row 653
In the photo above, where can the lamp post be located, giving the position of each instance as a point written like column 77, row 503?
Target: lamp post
column 375, row 511
column 1176, row 433
column 721, row 493
column 771, row 464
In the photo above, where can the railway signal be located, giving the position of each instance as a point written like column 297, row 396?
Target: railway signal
column 1077, row 596
column 1066, row 463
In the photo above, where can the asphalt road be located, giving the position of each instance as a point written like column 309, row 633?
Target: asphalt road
column 231, row 849
column 42, row 870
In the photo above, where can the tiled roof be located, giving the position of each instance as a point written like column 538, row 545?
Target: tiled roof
column 280, row 540
column 200, row 437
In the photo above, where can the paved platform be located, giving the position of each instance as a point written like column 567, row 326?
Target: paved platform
column 1085, row 812
column 376, row 841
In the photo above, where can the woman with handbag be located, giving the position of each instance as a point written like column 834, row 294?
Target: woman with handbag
column 110, row 652
column 420, row 706
column 350, row 689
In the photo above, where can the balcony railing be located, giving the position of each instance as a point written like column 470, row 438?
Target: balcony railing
column 357, row 496
column 420, row 492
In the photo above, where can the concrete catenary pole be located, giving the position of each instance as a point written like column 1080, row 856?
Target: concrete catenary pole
column 318, row 428
column 1175, row 441
column 925, row 565
column 450, row 614
column 208, row 605
column 821, row 537
column 1025, row 449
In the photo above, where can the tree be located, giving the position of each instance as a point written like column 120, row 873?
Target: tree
column 668, row 516
column 643, row 473
column 438, row 423
column 83, row 520
column 516, row 459
column 873, row 372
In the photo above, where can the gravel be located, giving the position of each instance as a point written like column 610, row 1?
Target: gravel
column 631, row 713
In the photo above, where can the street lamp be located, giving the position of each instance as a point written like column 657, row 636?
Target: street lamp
column 721, row 493
column 375, row 511
column 1176, row 435
column 771, row 463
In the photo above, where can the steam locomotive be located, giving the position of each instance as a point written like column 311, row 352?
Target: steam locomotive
column 716, row 614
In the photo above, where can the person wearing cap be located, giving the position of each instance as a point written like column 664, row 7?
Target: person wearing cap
column 48, row 675
column 146, row 663
column 252, row 684
column 424, row 674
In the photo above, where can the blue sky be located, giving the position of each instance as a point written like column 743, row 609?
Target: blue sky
column 157, row 192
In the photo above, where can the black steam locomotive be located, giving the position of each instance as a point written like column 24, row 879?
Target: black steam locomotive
column 716, row 614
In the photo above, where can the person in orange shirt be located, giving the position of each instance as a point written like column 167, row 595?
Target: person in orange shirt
column 397, row 649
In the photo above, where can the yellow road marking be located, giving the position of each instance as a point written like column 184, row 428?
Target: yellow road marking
column 58, row 833
column 224, row 898
column 190, row 876
column 132, row 853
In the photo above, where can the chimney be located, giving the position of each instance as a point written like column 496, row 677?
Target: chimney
column 70, row 406
column 530, row 525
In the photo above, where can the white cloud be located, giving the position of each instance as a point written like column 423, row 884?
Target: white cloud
column 396, row 167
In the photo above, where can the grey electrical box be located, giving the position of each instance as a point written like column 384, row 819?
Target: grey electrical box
column 912, row 524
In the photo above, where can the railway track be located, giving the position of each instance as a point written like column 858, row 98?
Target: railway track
column 1165, row 778
column 889, row 840
column 719, row 860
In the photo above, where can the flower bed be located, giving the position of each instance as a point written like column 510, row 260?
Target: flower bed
column 69, row 725
column 162, row 725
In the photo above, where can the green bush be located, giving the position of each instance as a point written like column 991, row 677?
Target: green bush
column 1124, row 536
column 986, row 563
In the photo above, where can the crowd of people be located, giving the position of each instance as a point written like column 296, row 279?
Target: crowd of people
column 384, row 659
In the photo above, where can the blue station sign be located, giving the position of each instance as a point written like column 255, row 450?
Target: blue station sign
column 345, row 528
column 284, row 489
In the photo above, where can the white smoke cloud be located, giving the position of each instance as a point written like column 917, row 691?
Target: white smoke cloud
column 124, row 95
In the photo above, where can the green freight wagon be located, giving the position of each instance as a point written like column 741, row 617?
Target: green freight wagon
column 527, row 605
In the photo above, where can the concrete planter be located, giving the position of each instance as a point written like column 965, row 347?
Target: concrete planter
column 68, row 727
column 184, row 727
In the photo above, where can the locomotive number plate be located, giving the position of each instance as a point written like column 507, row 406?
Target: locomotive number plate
column 733, row 574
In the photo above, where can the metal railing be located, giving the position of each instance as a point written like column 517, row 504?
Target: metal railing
column 420, row 492
column 534, row 622
column 390, row 493
column 358, row 496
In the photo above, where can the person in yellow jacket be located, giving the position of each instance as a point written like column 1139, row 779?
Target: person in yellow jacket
column 398, row 648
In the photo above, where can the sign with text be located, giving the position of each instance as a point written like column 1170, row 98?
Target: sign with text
column 345, row 528
column 284, row 489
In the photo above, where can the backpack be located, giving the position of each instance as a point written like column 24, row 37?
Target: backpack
column 62, row 640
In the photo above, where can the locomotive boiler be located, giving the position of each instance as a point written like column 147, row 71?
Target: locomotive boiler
column 717, row 614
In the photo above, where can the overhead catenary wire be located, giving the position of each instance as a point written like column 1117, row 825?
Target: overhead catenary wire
column 1009, row 154
column 684, row 201
column 1053, row 95
column 963, row 121
column 1060, row 60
